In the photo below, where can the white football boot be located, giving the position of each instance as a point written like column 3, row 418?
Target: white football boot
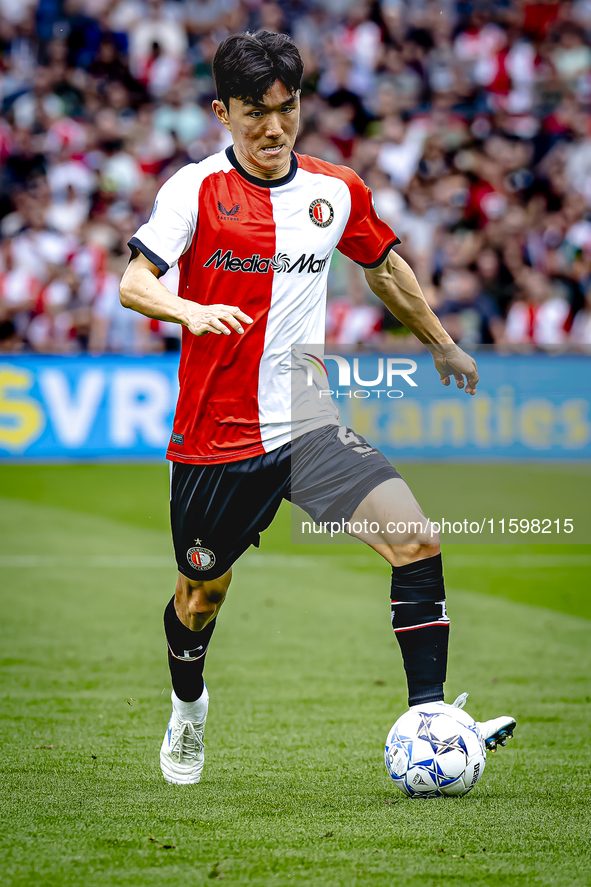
column 494, row 732
column 182, row 754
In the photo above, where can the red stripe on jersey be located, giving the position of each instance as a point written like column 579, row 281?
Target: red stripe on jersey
column 366, row 239
column 218, row 410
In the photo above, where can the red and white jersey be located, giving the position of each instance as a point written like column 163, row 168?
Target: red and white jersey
column 265, row 247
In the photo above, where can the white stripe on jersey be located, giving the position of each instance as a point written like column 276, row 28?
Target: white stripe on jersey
column 298, row 308
column 171, row 227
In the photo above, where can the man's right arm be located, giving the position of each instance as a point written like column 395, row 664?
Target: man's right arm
column 141, row 291
column 394, row 282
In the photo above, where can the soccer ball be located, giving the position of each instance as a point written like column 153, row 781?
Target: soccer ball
column 430, row 752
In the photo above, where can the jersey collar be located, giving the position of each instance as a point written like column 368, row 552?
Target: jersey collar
column 262, row 183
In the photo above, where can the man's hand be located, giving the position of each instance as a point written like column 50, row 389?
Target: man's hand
column 395, row 284
column 202, row 319
column 450, row 361
column 141, row 291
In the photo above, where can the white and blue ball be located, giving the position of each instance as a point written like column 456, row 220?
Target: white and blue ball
column 434, row 750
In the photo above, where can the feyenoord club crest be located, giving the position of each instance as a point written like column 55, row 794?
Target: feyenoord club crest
column 321, row 212
column 200, row 558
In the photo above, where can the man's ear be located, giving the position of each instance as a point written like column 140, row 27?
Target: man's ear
column 220, row 111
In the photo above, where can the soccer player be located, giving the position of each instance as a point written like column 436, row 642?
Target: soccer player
column 253, row 229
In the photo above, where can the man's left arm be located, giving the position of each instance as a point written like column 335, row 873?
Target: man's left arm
column 394, row 282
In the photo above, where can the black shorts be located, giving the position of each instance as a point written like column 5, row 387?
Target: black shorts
column 218, row 511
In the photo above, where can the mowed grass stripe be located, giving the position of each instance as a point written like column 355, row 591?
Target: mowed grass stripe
column 552, row 576
column 519, row 561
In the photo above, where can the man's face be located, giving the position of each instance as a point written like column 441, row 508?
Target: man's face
column 263, row 134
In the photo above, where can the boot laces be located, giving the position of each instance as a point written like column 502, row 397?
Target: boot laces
column 460, row 701
column 187, row 743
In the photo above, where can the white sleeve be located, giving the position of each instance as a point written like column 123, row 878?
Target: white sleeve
column 169, row 231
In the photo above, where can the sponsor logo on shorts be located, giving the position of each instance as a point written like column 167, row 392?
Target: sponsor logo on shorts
column 200, row 558
column 255, row 264
column 321, row 212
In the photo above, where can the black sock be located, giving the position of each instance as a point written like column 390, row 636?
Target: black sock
column 186, row 654
column 421, row 625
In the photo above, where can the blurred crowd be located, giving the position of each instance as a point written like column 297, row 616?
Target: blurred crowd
column 470, row 121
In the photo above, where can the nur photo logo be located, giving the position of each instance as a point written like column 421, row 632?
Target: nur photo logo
column 385, row 373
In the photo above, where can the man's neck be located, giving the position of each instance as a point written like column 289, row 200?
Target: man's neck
column 265, row 175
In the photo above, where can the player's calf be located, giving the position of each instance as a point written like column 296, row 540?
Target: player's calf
column 186, row 654
column 421, row 625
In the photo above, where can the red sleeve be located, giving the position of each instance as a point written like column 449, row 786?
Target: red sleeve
column 366, row 239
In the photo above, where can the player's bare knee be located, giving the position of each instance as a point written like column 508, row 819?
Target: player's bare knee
column 199, row 607
column 200, row 612
column 424, row 541
column 412, row 552
column 422, row 536
column 197, row 602
column 400, row 555
column 425, row 550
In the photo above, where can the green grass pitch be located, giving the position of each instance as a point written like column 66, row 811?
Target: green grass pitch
column 305, row 680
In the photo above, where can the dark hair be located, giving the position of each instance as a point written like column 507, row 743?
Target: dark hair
column 247, row 65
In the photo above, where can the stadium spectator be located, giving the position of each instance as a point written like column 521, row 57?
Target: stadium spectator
column 158, row 26
column 112, row 328
column 470, row 121
column 468, row 314
column 19, row 291
column 581, row 329
column 180, row 117
column 539, row 316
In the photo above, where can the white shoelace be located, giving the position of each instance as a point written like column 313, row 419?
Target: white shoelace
column 188, row 743
column 460, row 701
